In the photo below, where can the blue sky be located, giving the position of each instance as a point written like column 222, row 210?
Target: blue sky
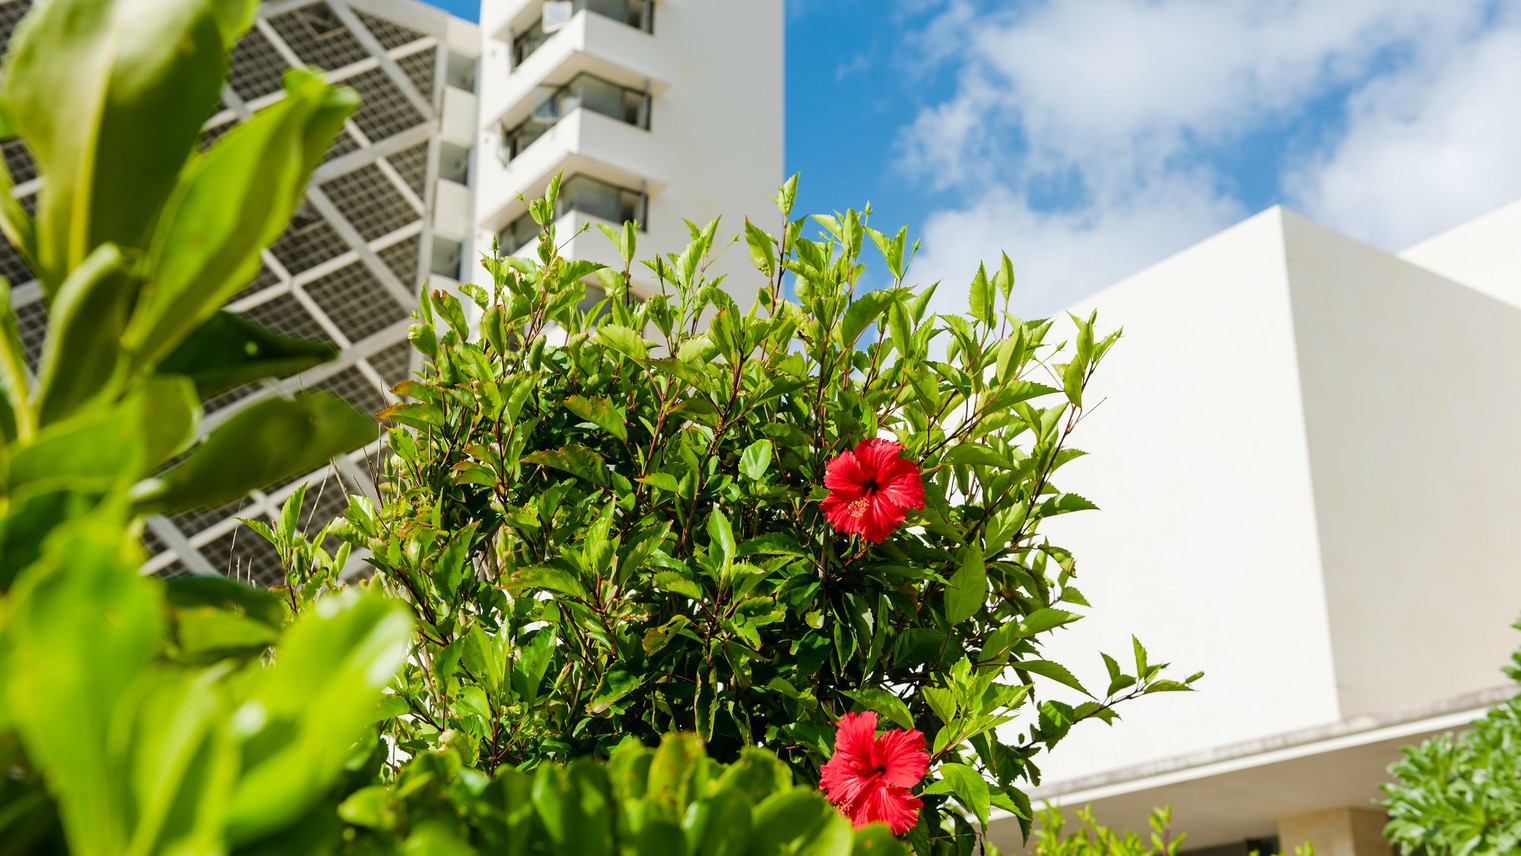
column 1089, row 140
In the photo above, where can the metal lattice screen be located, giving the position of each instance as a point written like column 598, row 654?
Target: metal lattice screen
column 346, row 270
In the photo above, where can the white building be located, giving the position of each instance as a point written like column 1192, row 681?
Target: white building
column 654, row 110
column 1309, row 472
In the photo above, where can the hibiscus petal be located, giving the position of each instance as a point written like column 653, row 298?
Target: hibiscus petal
column 844, row 473
column 855, row 737
column 881, row 803
column 903, row 756
column 874, row 456
column 880, row 520
column 900, row 482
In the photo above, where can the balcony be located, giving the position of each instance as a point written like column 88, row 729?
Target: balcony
column 520, row 21
column 595, row 200
column 584, row 92
column 589, row 44
column 584, row 142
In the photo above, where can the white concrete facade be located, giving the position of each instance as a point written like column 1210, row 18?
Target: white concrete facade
column 1308, row 471
column 656, row 110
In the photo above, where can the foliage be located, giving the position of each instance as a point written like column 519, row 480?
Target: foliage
column 138, row 716
column 1461, row 793
column 641, row 802
column 1091, row 838
column 607, row 520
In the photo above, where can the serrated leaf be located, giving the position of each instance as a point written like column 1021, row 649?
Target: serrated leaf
column 967, row 590
column 600, row 412
column 756, row 458
column 885, row 703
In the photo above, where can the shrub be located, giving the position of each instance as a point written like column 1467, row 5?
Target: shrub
column 626, row 520
column 1461, row 793
column 1091, row 838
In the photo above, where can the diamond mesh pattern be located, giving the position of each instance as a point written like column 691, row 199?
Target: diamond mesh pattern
column 256, row 66
column 265, row 278
column 286, row 314
column 420, row 67
column 10, row 13
column 243, row 554
column 224, row 400
column 173, row 570
column 384, row 112
column 151, row 543
column 327, row 496
column 401, row 258
column 390, row 35
column 19, row 161
column 412, row 165
column 353, row 301
column 308, row 242
column 342, row 145
column 12, row 267
column 352, row 386
column 350, row 297
column 32, row 319
column 191, row 522
column 370, row 202
column 214, row 133
column 318, row 37
column 393, row 364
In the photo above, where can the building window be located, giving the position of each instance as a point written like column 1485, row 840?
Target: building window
column 586, row 195
column 583, row 92
column 639, row 14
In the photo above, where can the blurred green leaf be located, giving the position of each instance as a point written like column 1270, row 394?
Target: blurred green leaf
column 230, row 350
column 272, row 439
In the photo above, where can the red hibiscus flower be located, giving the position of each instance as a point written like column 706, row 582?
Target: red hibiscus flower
column 871, row 490
column 868, row 777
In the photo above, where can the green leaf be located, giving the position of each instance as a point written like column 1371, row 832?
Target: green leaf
column 545, row 577
column 63, row 687
column 969, row 788
column 305, row 711
column 234, row 199
column 862, row 313
column 230, row 350
column 721, row 534
column 1045, row 619
column 623, row 340
column 981, row 297
column 615, row 685
column 103, row 448
column 270, row 440
column 762, row 249
column 600, row 412
column 756, row 458
column 110, row 98
column 83, row 360
column 885, row 703
column 576, row 460
column 1055, row 671
column 967, row 589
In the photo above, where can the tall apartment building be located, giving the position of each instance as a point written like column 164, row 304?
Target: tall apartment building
column 1307, row 464
column 655, row 110
column 348, row 268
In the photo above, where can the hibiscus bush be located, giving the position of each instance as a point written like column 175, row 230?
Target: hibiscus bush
column 787, row 522
column 1460, row 793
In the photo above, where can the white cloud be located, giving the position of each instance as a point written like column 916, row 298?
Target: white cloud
column 1125, row 100
column 1425, row 149
column 1057, row 256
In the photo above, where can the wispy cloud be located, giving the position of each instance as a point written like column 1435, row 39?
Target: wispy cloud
column 1130, row 105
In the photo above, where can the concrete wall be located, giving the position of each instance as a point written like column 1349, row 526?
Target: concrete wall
column 1206, row 544
column 1410, row 385
column 1484, row 254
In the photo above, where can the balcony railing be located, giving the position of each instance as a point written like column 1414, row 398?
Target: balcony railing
column 583, row 92
column 586, row 195
column 639, row 14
